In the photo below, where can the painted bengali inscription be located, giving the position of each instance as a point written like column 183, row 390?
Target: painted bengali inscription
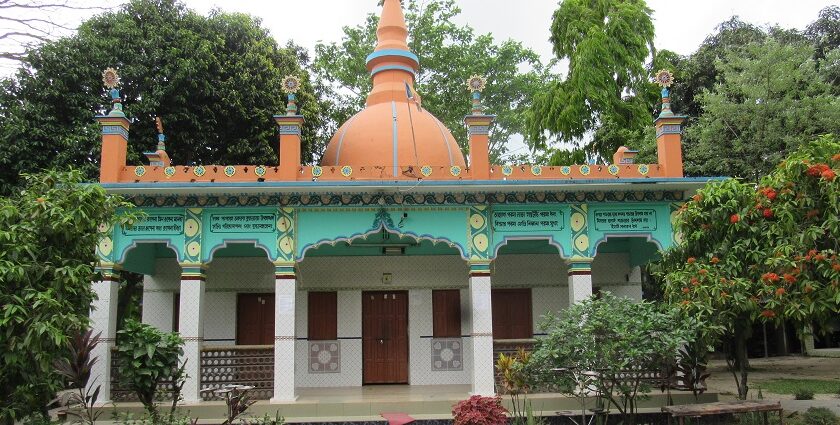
column 243, row 223
column 156, row 224
column 518, row 220
column 625, row 220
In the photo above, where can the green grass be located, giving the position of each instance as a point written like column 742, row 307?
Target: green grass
column 790, row 386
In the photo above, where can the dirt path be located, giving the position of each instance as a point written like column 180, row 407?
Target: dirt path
column 797, row 367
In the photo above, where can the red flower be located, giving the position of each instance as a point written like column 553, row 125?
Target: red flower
column 697, row 198
column 828, row 175
column 694, row 281
column 770, row 277
column 734, row 218
column 768, row 313
column 685, row 290
column 819, row 257
column 686, row 302
column 789, row 278
column 780, row 292
column 813, row 213
column 690, row 260
column 808, row 289
column 836, row 267
column 817, row 170
column 769, row 193
column 836, row 157
column 703, row 272
column 768, row 213
column 714, row 260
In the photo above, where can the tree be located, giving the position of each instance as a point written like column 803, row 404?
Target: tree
column 766, row 253
column 215, row 81
column 606, row 44
column 770, row 99
column 47, row 234
column 449, row 54
column 607, row 344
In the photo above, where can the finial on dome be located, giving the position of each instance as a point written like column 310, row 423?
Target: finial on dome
column 475, row 85
column 665, row 79
column 291, row 85
column 392, row 32
column 111, row 80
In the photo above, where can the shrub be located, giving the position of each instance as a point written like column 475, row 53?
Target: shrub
column 804, row 394
column 478, row 410
column 819, row 416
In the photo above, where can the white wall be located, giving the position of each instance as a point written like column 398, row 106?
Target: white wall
column 546, row 274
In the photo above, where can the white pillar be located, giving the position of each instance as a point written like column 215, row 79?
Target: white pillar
column 103, row 319
column 191, row 328
column 284, row 334
column 483, row 382
column 580, row 281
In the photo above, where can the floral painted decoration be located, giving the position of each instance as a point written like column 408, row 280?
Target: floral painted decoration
column 565, row 170
column 426, row 170
column 260, row 170
column 476, row 83
column 230, row 170
column 199, row 171
column 536, row 170
column 613, row 169
column 455, row 170
column 507, row 170
column 664, row 78
column 169, row 171
column 346, row 171
column 317, row 171
column 291, row 84
column 139, row 171
column 110, row 78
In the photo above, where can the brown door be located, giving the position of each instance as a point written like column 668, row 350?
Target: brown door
column 512, row 314
column 385, row 337
column 255, row 319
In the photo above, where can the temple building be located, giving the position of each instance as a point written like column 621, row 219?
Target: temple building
column 397, row 260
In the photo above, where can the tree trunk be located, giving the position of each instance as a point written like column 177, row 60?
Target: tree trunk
column 742, row 331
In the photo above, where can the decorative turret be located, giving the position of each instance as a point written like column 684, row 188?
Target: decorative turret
column 478, row 126
column 289, row 131
column 114, row 127
column 159, row 157
column 392, row 65
column 668, row 130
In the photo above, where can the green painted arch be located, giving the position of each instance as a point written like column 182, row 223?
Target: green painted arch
column 550, row 240
column 318, row 227
column 234, row 248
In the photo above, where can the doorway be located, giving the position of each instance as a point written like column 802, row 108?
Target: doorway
column 255, row 319
column 385, row 337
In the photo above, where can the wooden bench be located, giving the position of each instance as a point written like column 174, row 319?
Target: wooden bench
column 722, row 408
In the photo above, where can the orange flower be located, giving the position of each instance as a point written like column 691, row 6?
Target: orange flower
column 697, row 198
column 828, row 175
column 770, row 277
column 694, row 281
column 690, row 260
column 789, row 278
column 768, row 314
column 836, row 267
column 819, row 257
column 715, row 260
column 768, row 213
column 836, row 157
column 734, row 218
column 780, row 292
column 686, row 302
column 685, row 290
column 808, row 289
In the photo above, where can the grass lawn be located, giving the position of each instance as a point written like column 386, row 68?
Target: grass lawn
column 790, row 386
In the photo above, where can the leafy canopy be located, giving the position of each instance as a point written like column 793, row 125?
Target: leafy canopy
column 47, row 233
column 449, row 54
column 760, row 254
column 606, row 43
column 214, row 80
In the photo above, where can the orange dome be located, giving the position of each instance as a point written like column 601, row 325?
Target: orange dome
column 393, row 130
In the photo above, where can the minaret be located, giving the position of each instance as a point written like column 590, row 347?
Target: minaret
column 668, row 131
column 114, row 126
column 392, row 66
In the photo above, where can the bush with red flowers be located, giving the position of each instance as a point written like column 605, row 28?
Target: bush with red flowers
column 770, row 247
column 478, row 410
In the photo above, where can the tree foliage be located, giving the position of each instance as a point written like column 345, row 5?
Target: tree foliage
column 607, row 344
column 214, row 80
column 606, row 43
column 771, row 96
column 449, row 54
column 47, row 233
column 766, row 253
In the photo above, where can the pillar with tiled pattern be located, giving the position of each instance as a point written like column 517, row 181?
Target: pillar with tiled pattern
column 191, row 328
column 103, row 318
column 580, row 280
column 483, row 382
column 284, row 333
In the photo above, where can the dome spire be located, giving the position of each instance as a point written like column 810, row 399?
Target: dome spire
column 392, row 65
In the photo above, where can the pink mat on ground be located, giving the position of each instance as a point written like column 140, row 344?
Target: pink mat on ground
column 397, row 418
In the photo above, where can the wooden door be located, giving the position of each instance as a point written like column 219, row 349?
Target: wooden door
column 512, row 314
column 385, row 337
column 255, row 319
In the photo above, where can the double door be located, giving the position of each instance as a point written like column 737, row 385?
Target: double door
column 255, row 319
column 385, row 337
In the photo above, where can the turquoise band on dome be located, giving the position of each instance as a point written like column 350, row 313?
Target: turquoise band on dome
column 392, row 52
column 379, row 69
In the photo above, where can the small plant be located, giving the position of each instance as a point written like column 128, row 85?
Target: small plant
column 148, row 357
column 804, row 394
column 236, row 400
column 819, row 416
column 478, row 410
column 266, row 419
column 514, row 382
column 76, row 368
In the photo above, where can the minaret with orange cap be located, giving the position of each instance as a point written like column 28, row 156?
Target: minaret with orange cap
column 392, row 66
column 114, row 127
column 668, row 131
